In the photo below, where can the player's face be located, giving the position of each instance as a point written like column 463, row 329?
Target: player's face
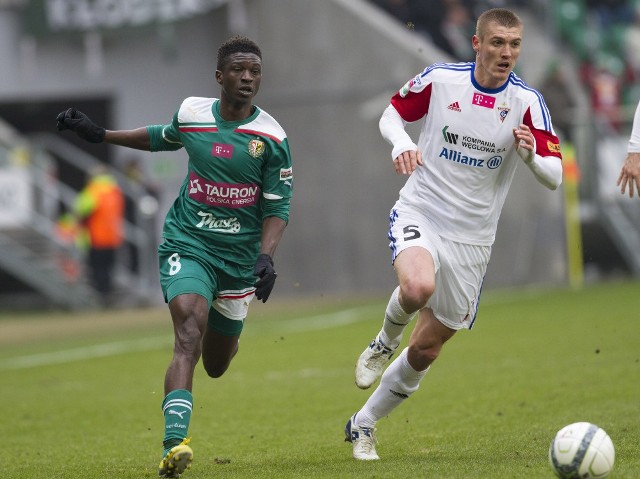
column 496, row 54
column 240, row 77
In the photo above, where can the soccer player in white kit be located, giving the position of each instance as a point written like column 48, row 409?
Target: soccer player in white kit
column 630, row 172
column 479, row 121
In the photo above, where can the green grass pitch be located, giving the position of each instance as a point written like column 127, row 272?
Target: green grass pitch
column 81, row 392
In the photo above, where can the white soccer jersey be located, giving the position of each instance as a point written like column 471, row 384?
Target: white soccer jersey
column 634, row 139
column 468, row 147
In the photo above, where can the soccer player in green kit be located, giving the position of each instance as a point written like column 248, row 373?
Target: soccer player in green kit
column 222, row 230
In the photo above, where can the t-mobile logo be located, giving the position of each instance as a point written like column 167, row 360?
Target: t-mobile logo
column 222, row 150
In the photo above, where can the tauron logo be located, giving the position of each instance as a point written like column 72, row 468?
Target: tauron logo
column 449, row 137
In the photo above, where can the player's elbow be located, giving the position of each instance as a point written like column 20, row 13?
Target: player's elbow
column 554, row 184
column 556, row 178
column 548, row 170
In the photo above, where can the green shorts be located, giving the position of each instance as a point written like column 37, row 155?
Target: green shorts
column 228, row 287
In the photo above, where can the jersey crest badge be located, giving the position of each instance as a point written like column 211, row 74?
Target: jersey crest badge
column 503, row 111
column 256, row 148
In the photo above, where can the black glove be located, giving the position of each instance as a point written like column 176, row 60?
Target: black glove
column 77, row 121
column 264, row 270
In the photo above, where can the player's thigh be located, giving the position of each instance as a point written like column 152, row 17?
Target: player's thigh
column 230, row 307
column 184, row 271
column 414, row 249
column 459, row 279
column 226, row 317
column 189, row 313
column 415, row 268
column 217, row 351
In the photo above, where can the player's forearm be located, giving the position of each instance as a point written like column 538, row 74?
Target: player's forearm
column 547, row 170
column 392, row 129
column 137, row 139
column 272, row 231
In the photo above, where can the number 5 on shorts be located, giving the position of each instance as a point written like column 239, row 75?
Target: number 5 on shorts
column 411, row 232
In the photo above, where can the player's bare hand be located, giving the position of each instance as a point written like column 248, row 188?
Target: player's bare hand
column 630, row 175
column 523, row 137
column 407, row 162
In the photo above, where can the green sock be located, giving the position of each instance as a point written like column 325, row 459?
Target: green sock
column 176, row 408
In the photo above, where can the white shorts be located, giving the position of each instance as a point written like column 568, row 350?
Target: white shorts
column 460, row 267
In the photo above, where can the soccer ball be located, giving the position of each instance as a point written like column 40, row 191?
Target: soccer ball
column 581, row 451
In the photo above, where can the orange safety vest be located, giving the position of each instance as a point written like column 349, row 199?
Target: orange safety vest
column 101, row 205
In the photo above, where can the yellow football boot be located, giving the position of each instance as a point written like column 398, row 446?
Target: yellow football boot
column 177, row 460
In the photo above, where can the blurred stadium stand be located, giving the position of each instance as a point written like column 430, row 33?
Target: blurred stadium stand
column 330, row 68
column 43, row 263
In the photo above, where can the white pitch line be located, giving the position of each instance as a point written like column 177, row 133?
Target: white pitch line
column 88, row 352
column 323, row 321
column 313, row 323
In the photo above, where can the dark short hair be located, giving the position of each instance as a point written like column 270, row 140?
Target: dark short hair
column 237, row 44
column 502, row 16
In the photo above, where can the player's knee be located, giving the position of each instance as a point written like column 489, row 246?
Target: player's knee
column 215, row 371
column 216, row 364
column 215, row 368
column 188, row 341
column 415, row 293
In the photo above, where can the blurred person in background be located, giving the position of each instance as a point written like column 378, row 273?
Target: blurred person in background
column 401, row 9
column 605, row 76
column 437, row 20
column 556, row 90
column 480, row 121
column 630, row 172
column 457, row 26
column 100, row 209
column 611, row 12
column 222, row 230
column 135, row 208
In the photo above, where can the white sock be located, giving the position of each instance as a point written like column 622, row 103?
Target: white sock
column 395, row 320
column 398, row 382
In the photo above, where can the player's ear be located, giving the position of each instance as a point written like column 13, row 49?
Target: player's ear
column 219, row 76
column 475, row 43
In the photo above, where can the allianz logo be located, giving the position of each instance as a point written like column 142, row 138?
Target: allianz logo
column 458, row 157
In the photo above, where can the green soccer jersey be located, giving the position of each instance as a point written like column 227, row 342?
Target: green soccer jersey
column 239, row 172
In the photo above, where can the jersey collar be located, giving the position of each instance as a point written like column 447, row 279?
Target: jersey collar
column 216, row 113
column 490, row 91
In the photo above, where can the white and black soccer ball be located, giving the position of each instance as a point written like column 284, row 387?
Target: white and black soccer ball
column 581, row 451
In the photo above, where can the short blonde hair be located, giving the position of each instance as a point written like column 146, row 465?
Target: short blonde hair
column 502, row 16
